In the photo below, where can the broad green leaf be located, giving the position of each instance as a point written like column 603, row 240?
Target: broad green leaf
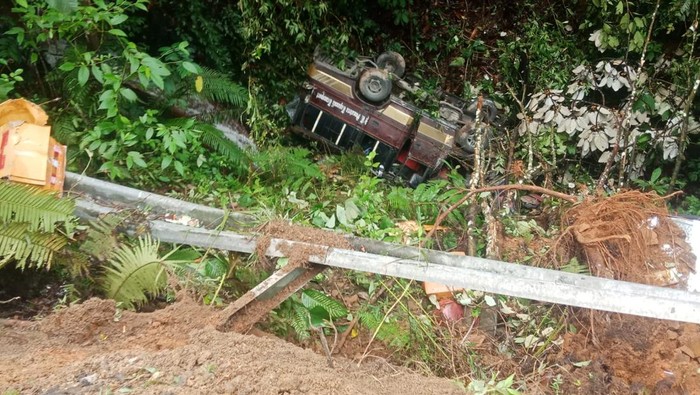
column 97, row 73
column 137, row 158
column 340, row 214
column 83, row 75
column 458, row 61
column 22, row 3
column 19, row 32
column 330, row 224
column 67, row 66
column 351, row 210
column 620, row 8
column 167, row 160
column 116, row 32
column 191, row 67
column 107, row 100
column 655, row 175
column 128, row 94
column 158, row 81
column 179, row 167
column 117, row 19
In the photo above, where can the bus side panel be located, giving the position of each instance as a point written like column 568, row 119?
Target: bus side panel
column 361, row 118
column 431, row 144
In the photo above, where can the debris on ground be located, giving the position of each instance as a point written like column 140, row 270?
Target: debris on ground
column 28, row 154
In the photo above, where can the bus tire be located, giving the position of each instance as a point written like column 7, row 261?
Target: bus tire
column 375, row 85
column 489, row 111
column 392, row 62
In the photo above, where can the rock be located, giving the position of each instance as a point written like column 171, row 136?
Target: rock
column 688, row 351
column 680, row 357
column 694, row 345
column 88, row 380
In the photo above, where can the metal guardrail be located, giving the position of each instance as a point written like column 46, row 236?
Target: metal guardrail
column 428, row 265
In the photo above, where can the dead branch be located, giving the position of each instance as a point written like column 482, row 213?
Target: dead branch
column 9, row 300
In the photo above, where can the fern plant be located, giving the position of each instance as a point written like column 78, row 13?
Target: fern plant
column 29, row 233
column 236, row 158
column 137, row 272
column 217, row 87
column 40, row 209
column 389, row 330
column 315, row 310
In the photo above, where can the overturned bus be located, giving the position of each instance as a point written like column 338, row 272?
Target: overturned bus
column 363, row 107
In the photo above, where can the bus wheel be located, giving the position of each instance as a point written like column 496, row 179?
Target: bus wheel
column 489, row 111
column 375, row 85
column 392, row 62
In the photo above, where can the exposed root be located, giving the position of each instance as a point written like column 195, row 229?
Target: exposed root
column 628, row 236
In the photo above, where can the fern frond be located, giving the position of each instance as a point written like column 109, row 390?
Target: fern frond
column 300, row 322
column 135, row 273
column 220, row 88
column 64, row 129
column 388, row 331
column 102, row 240
column 39, row 208
column 214, row 138
column 398, row 199
column 19, row 243
column 312, row 298
column 287, row 164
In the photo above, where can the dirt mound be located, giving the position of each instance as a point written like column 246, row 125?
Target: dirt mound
column 93, row 348
column 632, row 355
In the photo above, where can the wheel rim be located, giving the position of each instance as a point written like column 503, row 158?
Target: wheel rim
column 375, row 85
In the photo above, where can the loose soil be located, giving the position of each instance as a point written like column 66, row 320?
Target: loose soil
column 94, row 348
column 631, row 355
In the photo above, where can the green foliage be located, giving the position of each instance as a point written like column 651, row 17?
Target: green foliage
column 690, row 205
column 203, row 271
column 279, row 164
column 9, row 80
column 540, row 57
column 401, row 9
column 19, row 243
column 29, row 225
column 657, row 183
column 101, row 236
column 391, row 332
column 135, row 273
column 493, row 386
column 117, row 93
column 40, row 209
column 219, row 88
column 322, row 307
column 312, row 310
column 623, row 26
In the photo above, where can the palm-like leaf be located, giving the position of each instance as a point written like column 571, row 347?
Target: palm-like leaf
column 312, row 298
column 18, row 243
column 214, row 138
column 219, row 88
column 135, row 273
column 38, row 208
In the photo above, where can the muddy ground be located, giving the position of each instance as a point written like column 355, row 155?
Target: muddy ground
column 93, row 348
